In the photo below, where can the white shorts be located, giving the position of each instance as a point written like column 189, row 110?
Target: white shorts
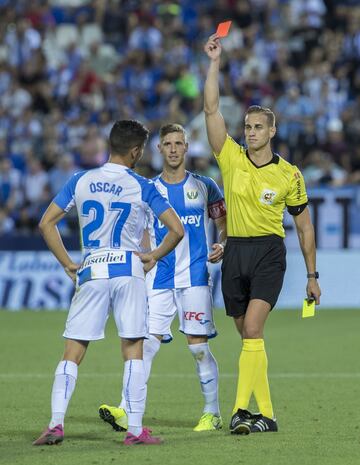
column 193, row 306
column 93, row 301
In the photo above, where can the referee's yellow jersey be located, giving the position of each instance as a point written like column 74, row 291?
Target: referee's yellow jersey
column 256, row 197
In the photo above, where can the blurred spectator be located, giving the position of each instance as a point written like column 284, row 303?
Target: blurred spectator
column 93, row 150
column 10, row 186
column 61, row 172
column 7, row 224
column 321, row 170
column 36, row 181
column 145, row 36
column 335, row 144
column 197, row 146
column 68, row 68
column 102, row 59
column 308, row 139
column 292, row 110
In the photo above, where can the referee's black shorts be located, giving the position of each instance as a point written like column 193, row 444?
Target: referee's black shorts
column 252, row 268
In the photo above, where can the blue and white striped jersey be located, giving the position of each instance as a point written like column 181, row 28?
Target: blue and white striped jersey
column 111, row 203
column 195, row 199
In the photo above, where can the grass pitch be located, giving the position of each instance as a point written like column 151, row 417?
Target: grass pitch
column 314, row 377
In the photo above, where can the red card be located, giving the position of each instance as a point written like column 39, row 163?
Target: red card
column 223, row 29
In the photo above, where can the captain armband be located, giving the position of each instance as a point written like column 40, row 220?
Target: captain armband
column 296, row 210
column 217, row 209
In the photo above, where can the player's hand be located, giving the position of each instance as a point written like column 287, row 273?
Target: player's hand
column 148, row 261
column 71, row 270
column 213, row 47
column 217, row 254
column 313, row 290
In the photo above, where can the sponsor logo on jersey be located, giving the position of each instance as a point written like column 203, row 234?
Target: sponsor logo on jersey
column 192, row 195
column 107, row 257
column 188, row 219
column 267, row 197
column 297, row 176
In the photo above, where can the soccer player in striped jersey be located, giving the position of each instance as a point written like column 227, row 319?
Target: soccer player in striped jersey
column 258, row 186
column 112, row 203
column 180, row 282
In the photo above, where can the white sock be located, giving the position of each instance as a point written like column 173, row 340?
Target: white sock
column 150, row 349
column 63, row 388
column 134, row 387
column 208, row 373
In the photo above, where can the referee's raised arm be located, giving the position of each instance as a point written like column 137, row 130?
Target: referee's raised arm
column 215, row 124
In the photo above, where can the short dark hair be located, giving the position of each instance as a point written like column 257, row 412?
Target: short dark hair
column 127, row 134
column 265, row 111
column 169, row 128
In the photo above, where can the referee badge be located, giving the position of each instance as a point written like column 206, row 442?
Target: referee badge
column 267, row 197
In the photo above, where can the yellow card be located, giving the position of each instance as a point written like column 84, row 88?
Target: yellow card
column 308, row 308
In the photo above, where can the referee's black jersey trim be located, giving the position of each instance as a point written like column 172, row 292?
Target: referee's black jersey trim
column 295, row 211
column 275, row 159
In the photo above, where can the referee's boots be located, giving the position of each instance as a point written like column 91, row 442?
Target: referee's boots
column 242, row 421
column 264, row 425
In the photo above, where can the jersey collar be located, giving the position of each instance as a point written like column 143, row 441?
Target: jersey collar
column 115, row 167
column 181, row 183
column 275, row 159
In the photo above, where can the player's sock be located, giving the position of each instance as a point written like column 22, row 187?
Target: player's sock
column 135, row 394
column 262, row 390
column 250, row 360
column 208, row 373
column 63, row 387
column 150, row 349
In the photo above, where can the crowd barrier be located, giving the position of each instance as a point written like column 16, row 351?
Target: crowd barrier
column 34, row 280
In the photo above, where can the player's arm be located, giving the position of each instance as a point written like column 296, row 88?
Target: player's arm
column 306, row 235
column 174, row 235
column 215, row 124
column 49, row 230
column 218, row 248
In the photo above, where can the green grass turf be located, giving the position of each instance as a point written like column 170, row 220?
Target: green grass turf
column 314, row 375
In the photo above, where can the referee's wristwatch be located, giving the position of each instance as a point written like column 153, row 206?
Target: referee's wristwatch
column 313, row 275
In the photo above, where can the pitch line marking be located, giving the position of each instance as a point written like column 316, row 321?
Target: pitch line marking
column 345, row 375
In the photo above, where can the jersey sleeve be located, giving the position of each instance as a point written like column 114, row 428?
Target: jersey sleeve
column 65, row 199
column 153, row 198
column 297, row 191
column 214, row 192
column 216, row 202
column 229, row 151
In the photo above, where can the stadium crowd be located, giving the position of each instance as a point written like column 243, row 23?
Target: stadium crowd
column 69, row 68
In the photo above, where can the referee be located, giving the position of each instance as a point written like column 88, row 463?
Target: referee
column 258, row 186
